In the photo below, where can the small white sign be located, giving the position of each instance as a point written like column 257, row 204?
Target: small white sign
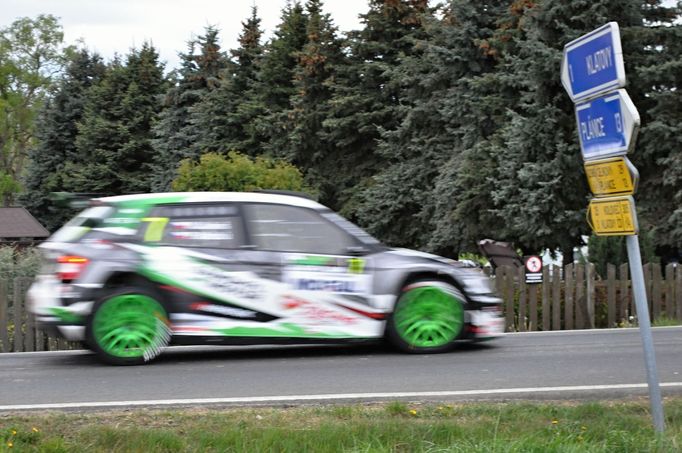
column 533, row 269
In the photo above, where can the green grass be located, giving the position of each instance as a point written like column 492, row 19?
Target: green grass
column 665, row 321
column 392, row 427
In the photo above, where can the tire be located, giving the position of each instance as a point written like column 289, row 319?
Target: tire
column 427, row 318
column 128, row 326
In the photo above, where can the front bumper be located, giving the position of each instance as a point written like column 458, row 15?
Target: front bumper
column 484, row 324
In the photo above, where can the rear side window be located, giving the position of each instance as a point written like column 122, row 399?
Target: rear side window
column 77, row 227
column 294, row 229
column 209, row 226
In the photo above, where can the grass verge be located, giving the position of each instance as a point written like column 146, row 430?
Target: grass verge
column 394, row 427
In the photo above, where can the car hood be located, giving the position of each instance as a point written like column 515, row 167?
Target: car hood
column 423, row 255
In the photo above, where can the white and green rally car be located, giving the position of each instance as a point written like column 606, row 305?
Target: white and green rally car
column 132, row 274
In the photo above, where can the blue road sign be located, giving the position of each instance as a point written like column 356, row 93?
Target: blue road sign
column 607, row 126
column 593, row 64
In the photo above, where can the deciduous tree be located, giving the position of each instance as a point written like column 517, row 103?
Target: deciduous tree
column 31, row 55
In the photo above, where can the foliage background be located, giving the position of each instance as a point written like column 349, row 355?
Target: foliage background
column 433, row 126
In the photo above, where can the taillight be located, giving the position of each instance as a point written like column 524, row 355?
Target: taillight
column 69, row 267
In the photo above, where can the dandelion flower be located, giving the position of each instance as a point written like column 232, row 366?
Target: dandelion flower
column 14, row 432
column 413, row 412
column 10, row 444
column 555, row 422
column 34, row 429
column 583, row 428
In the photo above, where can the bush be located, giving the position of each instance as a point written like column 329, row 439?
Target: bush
column 237, row 172
column 16, row 262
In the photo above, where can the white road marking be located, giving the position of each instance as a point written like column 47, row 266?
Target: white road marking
column 328, row 397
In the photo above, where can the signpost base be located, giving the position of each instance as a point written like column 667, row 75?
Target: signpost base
column 642, row 307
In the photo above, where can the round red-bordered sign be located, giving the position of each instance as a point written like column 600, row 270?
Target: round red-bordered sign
column 534, row 264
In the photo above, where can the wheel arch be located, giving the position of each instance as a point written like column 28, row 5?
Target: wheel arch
column 425, row 274
column 390, row 332
column 430, row 274
column 128, row 278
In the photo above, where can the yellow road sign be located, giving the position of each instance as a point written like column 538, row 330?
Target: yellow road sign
column 613, row 216
column 616, row 176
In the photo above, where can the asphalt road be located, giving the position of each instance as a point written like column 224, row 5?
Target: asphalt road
column 555, row 365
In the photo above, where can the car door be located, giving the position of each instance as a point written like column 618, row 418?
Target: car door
column 200, row 254
column 324, row 289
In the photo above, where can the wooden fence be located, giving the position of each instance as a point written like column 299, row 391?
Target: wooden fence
column 575, row 298
column 569, row 298
column 17, row 329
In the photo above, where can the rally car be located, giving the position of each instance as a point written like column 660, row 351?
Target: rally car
column 132, row 274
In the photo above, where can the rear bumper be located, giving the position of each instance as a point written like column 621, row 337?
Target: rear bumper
column 51, row 315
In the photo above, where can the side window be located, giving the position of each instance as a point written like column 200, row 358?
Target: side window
column 210, row 226
column 293, row 229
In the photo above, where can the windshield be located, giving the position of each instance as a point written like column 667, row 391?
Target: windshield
column 351, row 228
column 81, row 224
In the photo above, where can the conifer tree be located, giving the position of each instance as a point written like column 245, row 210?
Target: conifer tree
column 531, row 161
column 276, row 73
column 114, row 141
column 655, row 81
column 318, row 61
column 275, row 87
column 56, row 133
column 176, row 135
column 440, row 125
column 225, row 115
column 366, row 99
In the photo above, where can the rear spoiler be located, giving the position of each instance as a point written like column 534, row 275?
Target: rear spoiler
column 75, row 200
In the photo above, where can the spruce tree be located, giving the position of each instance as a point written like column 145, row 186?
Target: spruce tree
column 114, row 141
column 540, row 191
column 226, row 114
column 655, row 82
column 440, row 125
column 276, row 73
column 366, row 100
column 56, row 133
column 176, row 134
column 318, row 61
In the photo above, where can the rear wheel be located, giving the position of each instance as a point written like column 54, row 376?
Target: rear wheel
column 428, row 317
column 129, row 326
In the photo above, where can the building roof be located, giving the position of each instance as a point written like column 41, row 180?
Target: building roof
column 17, row 223
column 500, row 253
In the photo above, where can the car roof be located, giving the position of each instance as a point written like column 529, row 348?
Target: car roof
column 198, row 197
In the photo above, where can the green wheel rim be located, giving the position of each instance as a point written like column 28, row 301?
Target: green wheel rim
column 428, row 317
column 130, row 326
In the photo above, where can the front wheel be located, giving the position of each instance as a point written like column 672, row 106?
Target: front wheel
column 128, row 326
column 428, row 317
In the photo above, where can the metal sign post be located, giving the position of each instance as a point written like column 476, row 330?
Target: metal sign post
column 642, row 307
column 592, row 72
